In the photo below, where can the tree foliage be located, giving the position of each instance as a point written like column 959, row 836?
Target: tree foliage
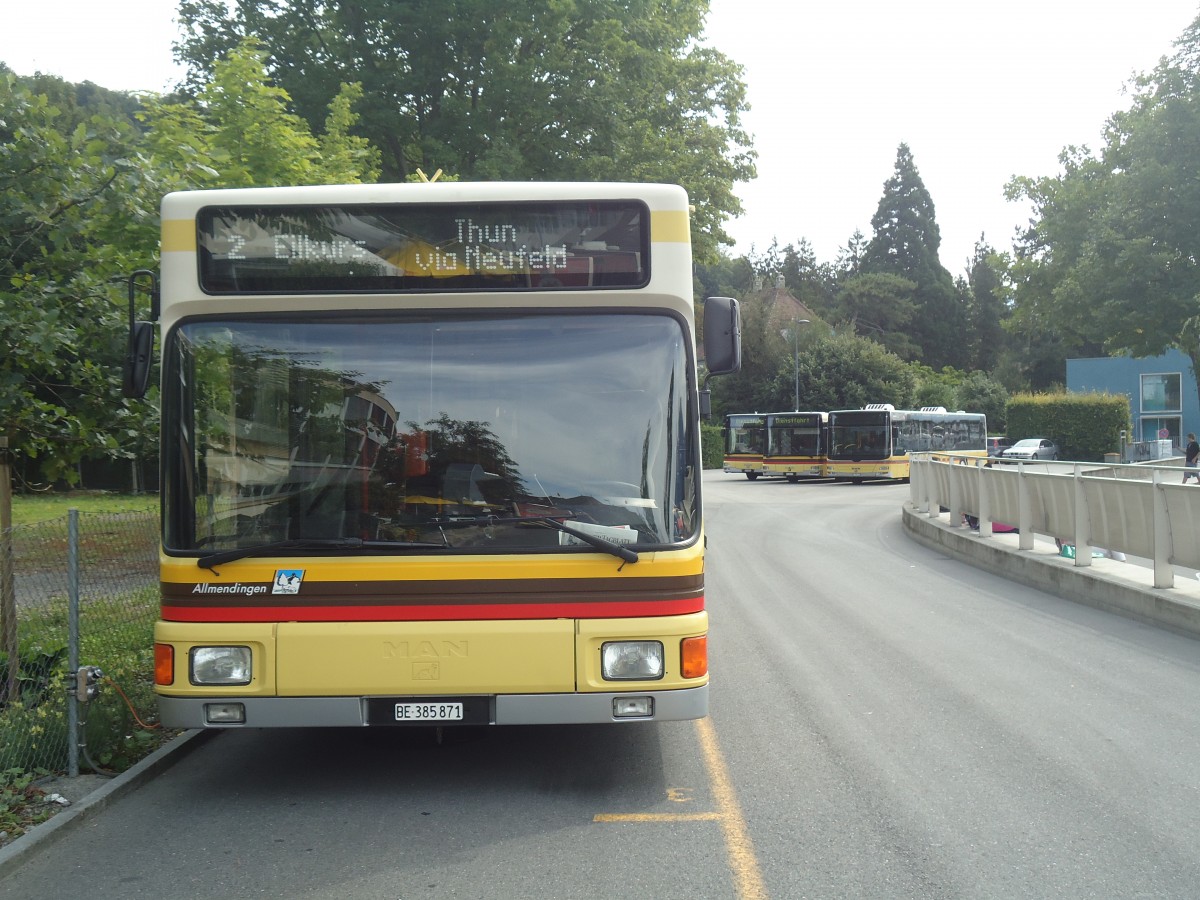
column 240, row 132
column 905, row 244
column 879, row 306
column 70, row 222
column 987, row 306
column 847, row 372
column 79, row 194
column 1112, row 256
column 588, row 90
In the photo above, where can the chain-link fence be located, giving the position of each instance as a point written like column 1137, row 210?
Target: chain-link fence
column 77, row 659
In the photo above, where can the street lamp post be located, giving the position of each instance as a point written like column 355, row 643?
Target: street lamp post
column 796, row 361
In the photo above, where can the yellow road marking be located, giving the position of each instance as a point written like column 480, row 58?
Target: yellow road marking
column 743, row 862
column 657, row 817
column 748, row 881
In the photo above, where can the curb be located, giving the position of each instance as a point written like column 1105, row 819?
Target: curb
column 1117, row 587
column 45, row 835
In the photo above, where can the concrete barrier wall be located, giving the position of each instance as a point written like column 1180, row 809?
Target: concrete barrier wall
column 1142, row 511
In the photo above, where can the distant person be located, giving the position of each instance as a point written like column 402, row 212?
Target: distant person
column 1190, row 454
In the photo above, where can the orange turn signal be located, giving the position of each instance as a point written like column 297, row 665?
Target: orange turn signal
column 164, row 664
column 694, row 653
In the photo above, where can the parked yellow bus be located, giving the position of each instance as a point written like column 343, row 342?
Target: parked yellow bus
column 745, row 443
column 874, row 442
column 430, row 455
column 796, row 445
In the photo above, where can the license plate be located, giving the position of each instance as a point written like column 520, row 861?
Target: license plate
column 428, row 712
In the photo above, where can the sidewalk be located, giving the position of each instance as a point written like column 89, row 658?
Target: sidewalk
column 1125, row 588
column 89, row 794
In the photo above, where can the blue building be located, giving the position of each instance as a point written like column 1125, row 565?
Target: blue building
column 1161, row 391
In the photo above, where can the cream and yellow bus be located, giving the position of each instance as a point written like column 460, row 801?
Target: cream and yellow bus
column 745, row 436
column 873, row 443
column 430, row 455
column 796, row 445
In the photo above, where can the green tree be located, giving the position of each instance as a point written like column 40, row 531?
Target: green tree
column 905, row 243
column 812, row 283
column 936, row 388
column 70, row 222
column 977, row 392
column 1112, row 258
column 240, row 133
column 847, row 372
column 590, row 90
column 987, row 306
column 724, row 277
column 879, row 306
column 755, row 387
column 851, row 257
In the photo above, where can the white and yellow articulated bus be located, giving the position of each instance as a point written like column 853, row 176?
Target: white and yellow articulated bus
column 873, row 443
column 430, row 455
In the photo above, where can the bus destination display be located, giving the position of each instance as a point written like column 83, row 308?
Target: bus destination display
column 563, row 245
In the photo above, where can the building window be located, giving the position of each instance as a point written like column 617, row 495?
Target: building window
column 1161, row 393
column 1158, row 428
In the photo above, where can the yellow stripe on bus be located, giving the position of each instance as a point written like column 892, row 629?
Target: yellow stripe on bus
column 459, row 568
column 670, row 226
column 178, row 235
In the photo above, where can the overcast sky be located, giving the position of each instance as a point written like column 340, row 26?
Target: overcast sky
column 980, row 91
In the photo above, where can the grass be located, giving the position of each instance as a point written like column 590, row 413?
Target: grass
column 116, row 627
column 28, row 509
column 118, row 726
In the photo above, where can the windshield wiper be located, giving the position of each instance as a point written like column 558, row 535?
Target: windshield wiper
column 617, row 550
column 212, row 560
column 594, row 540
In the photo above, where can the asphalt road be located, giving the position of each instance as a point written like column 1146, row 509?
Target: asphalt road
column 886, row 722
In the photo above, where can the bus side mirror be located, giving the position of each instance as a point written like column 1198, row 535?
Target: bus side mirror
column 139, row 354
column 722, row 335
column 138, row 358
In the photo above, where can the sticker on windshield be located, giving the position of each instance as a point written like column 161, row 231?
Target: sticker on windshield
column 287, row 581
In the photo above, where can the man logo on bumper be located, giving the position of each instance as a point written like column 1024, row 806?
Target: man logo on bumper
column 287, row 581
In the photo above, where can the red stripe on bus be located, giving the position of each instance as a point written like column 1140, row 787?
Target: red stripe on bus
column 432, row 613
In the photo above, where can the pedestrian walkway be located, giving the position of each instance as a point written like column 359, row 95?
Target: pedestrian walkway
column 87, row 795
column 1125, row 588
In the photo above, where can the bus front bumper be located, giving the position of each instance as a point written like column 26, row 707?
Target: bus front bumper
column 504, row 709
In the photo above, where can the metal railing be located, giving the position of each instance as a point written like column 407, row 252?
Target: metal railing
column 78, row 601
column 1139, row 510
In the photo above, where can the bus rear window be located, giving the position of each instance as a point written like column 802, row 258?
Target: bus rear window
column 385, row 248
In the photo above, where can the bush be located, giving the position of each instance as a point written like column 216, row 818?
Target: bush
column 1085, row 426
column 712, row 446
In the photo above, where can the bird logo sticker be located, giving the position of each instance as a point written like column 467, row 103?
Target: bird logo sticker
column 287, row 581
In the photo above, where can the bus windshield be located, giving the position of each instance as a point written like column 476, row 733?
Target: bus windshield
column 794, row 435
column 469, row 432
column 745, row 434
column 860, row 435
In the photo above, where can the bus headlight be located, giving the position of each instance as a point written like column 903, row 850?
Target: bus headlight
column 220, row 665
column 631, row 660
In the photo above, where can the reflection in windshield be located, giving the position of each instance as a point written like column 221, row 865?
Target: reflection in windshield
column 745, row 434
column 860, row 436
column 451, row 431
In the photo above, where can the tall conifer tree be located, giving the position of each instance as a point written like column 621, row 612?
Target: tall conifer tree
column 905, row 243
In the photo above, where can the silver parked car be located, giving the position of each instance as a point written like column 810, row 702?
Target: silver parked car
column 1031, row 448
